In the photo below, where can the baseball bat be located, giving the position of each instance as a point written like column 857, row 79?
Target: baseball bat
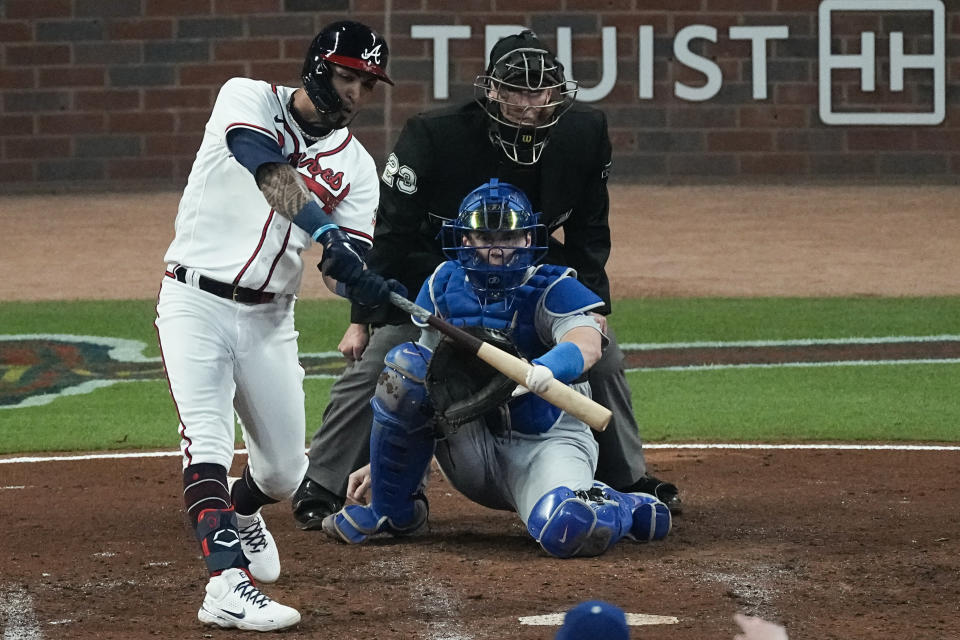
column 558, row 394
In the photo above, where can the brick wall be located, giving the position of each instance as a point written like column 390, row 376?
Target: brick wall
column 116, row 92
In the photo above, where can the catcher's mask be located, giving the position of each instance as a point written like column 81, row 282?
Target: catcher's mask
column 524, row 93
column 348, row 44
column 495, row 237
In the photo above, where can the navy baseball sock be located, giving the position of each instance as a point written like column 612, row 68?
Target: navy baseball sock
column 247, row 496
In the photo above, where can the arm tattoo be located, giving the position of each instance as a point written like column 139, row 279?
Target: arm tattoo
column 283, row 188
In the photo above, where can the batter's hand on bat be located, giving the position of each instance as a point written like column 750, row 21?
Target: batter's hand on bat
column 358, row 486
column 340, row 259
column 371, row 290
column 354, row 342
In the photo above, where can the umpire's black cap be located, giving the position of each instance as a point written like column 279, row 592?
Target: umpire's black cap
column 526, row 39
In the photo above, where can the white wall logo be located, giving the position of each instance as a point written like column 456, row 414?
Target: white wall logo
column 865, row 61
column 761, row 37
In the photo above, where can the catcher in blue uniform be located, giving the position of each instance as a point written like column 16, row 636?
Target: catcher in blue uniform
column 498, row 444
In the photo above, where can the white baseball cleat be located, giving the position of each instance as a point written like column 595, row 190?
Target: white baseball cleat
column 234, row 602
column 259, row 547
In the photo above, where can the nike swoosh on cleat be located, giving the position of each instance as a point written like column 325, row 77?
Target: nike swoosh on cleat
column 238, row 616
column 563, row 538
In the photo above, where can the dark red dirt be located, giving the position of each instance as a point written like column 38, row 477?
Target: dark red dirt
column 835, row 544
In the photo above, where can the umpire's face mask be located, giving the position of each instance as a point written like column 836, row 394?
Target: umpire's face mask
column 524, row 95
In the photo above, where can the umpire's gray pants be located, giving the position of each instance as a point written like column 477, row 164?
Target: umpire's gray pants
column 342, row 443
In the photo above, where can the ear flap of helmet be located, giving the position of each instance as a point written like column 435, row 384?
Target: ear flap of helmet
column 319, row 88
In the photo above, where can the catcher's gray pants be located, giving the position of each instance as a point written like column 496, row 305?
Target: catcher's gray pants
column 342, row 443
column 513, row 472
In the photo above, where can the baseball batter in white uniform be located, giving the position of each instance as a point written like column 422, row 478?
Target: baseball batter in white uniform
column 276, row 171
column 529, row 457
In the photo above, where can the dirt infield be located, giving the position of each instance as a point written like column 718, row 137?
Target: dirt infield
column 850, row 544
column 836, row 544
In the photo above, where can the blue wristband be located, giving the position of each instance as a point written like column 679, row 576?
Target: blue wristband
column 322, row 230
column 312, row 219
column 565, row 361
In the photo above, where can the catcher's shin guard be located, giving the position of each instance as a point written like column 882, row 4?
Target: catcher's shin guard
column 652, row 519
column 401, row 441
column 355, row 523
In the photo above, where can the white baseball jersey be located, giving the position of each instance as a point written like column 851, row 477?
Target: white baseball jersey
column 227, row 231
column 224, row 356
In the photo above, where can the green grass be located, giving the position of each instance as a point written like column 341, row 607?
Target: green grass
column 844, row 403
column 850, row 403
column 689, row 319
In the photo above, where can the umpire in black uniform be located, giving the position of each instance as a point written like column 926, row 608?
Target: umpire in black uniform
column 523, row 103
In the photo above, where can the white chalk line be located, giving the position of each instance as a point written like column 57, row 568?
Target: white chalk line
column 16, row 605
column 802, row 342
column 646, row 445
column 633, row 619
column 797, row 365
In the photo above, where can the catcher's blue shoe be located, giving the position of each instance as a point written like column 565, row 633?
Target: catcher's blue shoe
column 651, row 517
column 355, row 523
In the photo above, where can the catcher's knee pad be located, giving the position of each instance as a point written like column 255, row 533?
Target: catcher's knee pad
column 401, row 398
column 567, row 524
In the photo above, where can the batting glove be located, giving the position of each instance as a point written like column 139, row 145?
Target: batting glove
column 371, row 290
column 340, row 259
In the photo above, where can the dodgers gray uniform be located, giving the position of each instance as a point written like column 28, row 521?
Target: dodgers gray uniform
column 513, row 470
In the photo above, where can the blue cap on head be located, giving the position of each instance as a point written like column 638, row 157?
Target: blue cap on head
column 490, row 218
column 594, row 620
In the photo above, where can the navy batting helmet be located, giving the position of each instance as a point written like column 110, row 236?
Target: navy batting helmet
column 524, row 92
column 495, row 238
column 348, row 44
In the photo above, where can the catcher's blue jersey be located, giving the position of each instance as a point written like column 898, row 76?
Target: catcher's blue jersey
column 524, row 315
column 527, row 316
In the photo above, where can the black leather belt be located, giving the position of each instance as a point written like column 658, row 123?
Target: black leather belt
column 224, row 290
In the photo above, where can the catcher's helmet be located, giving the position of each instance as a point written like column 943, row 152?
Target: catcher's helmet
column 348, row 44
column 495, row 237
column 524, row 92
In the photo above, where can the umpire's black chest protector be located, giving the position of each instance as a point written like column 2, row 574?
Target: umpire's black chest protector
column 449, row 153
column 557, row 185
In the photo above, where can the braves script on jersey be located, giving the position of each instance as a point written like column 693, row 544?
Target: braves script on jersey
column 225, row 228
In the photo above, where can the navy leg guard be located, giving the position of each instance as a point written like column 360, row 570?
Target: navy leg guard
column 219, row 540
column 401, row 446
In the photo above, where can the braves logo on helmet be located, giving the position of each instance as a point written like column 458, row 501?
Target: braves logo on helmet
column 372, row 53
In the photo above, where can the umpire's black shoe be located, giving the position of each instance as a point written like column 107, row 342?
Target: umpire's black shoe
column 666, row 492
column 312, row 503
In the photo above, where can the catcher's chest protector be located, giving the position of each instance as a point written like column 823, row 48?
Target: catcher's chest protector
column 515, row 315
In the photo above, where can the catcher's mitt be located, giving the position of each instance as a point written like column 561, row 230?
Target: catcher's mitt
column 462, row 387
